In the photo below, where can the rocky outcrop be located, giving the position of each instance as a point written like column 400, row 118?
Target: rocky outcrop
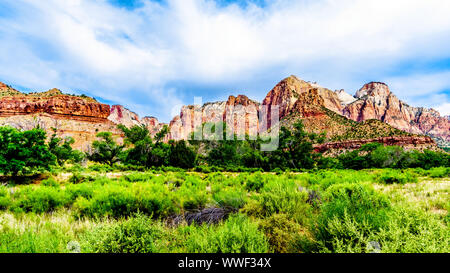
column 287, row 93
column 83, row 132
column 55, row 103
column 121, row 115
column 407, row 142
column 239, row 113
column 374, row 114
column 80, row 117
column 376, row 101
column 344, row 97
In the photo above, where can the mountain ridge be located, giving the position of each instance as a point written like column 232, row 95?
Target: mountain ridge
column 343, row 116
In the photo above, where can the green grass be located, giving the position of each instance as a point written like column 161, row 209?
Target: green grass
column 103, row 210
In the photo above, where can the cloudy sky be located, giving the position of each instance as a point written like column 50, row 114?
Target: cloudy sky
column 154, row 55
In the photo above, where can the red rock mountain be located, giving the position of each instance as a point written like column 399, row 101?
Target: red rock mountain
column 375, row 101
column 373, row 114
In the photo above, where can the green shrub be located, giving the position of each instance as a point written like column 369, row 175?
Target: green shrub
column 77, row 178
column 356, row 207
column 397, row 176
column 411, row 230
column 255, row 182
column 439, row 172
column 101, row 168
column 237, row 234
column 50, row 182
column 39, row 199
column 191, row 194
column 137, row 177
column 116, row 201
column 230, row 197
column 281, row 232
column 5, row 199
column 135, row 235
column 85, row 190
column 284, row 196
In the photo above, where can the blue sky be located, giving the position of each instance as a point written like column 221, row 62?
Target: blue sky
column 154, row 56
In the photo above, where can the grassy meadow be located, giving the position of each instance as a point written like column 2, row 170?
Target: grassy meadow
column 167, row 210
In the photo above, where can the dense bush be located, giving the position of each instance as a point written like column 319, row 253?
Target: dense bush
column 136, row 235
column 238, row 234
column 397, row 176
column 116, row 201
column 353, row 206
column 281, row 232
column 39, row 199
column 375, row 155
column 281, row 196
column 22, row 152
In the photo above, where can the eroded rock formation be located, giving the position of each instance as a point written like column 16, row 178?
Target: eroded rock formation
column 349, row 120
column 407, row 142
column 376, row 101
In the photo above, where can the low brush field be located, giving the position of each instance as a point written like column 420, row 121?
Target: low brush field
column 98, row 209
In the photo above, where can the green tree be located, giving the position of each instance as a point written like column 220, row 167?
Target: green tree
column 143, row 151
column 296, row 147
column 22, row 152
column 62, row 149
column 181, row 155
column 105, row 150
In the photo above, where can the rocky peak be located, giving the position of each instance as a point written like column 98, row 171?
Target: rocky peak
column 53, row 92
column 376, row 101
column 288, row 92
column 121, row 115
column 374, row 89
column 240, row 100
column 6, row 90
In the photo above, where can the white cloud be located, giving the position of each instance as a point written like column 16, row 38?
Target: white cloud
column 114, row 53
column 444, row 109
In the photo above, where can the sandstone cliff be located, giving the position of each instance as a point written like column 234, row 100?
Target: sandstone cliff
column 376, row 101
column 80, row 117
column 287, row 92
column 121, row 115
column 239, row 113
column 407, row 142
column 374, row 113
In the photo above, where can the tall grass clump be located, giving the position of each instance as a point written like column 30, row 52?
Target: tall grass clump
column 238, row 234
column 284, row 196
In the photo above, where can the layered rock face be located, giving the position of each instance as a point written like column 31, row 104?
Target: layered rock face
column 55, row 103
column 344, row 97
column 239, row 113
column 287, row 92
column 407, row 142
column 77, row 116
column 376, row 101
column 121, row 115
column 321, row 110
column 374, row 114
